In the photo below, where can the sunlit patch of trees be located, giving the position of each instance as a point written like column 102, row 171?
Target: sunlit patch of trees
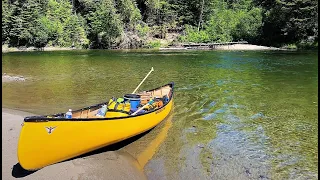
column 112, row 23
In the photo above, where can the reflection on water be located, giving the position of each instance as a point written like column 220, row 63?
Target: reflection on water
column 253, row 111
column 145, row 148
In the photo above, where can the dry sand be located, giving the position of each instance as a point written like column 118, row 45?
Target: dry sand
column 6, row 49
column 235, row 47
column 245, row 47
column 105, row 165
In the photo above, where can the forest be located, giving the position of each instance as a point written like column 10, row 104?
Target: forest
column 109, row 24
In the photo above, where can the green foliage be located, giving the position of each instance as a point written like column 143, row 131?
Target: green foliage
column 105, row 25
column 157, row 12
column 189, row 12
column 129, row 12
column 289, row 21
column 307, row 45
column 143, row 30
column 290, row 46
column 102, row 24
column 36, row 24
column 227, row 25
column 40, row 35
column 249, row 25
column 64, row 27
column 192, row 35
column 153, row 44
column 221, row 25
column 6, row 13
column 24, row 22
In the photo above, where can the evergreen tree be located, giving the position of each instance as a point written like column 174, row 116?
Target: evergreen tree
column 104, row 25
column 6, row 22
column 289, row 21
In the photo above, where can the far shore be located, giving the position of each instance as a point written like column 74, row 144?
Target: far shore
column 6, row 49
column 235, row 47
column 105, row 165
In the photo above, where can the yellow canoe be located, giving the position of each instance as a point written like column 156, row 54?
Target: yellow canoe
column 45, row 140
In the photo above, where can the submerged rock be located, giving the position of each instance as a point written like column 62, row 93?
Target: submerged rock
column 210, row 116
column 220, row 111
column 8, row 78
column 257, row 116
column 212, row 103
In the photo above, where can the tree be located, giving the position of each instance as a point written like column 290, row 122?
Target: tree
column 104, row 25
column 129, row 12
column 249, row 26
column 289, row 21
column 6, row 23
column 24, row 20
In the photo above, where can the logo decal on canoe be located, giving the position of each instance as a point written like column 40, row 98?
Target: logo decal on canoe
column 50, row 129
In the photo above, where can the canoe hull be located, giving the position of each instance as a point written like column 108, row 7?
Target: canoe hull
column 44, row 143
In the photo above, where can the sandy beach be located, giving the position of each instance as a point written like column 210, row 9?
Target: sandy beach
column 233, row 47
column 6, row 49
column 245, row 47
column 100, row 165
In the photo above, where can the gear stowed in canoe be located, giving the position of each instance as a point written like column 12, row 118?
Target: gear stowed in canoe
column 45, row 140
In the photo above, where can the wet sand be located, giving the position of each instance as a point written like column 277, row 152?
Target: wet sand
column 99, row 165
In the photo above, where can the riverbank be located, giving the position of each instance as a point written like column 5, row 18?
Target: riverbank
column 246, row 47
column 6, row 49
column 104, row 165
column 236, row 47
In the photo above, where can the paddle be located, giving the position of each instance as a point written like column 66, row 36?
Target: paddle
column 149, row 103
column 143, row 80
column 138, row 88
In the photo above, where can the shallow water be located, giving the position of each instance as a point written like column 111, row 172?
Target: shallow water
column 237, row 115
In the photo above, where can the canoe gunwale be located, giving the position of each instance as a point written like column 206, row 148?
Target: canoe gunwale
column 43, row 118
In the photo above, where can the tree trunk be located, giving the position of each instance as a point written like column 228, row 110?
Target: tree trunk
column 200, row 17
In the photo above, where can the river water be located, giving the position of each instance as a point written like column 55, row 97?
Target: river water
column 237, row 114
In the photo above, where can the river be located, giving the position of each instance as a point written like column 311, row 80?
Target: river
column 237, row 114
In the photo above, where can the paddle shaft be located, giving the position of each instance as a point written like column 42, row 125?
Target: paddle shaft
column 141, row 108
column 143, row 80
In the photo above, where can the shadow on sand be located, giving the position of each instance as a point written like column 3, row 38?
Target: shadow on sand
column 18, row 171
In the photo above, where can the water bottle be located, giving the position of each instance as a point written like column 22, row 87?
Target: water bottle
column 102, row 111
column 69, row 114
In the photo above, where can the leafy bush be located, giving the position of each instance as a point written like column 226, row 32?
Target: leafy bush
column 192, row 35
column 290, row 46
column 143, row 30
column 153, row 44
